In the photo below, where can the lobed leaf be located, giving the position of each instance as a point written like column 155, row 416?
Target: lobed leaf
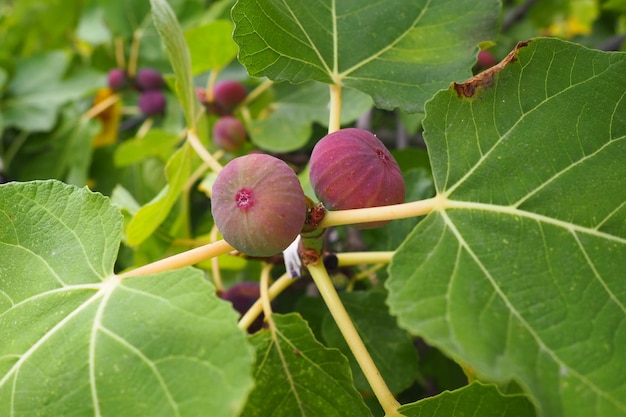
column 297, row 376
column 75, row 339
column 400, row 52
column 519, row 271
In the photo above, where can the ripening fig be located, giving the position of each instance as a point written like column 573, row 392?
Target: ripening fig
column 149, row 79
column 258, row 204
column 152, row 103
column 351, row 168
column 118, row 79
column 227, row 95
column 229, row 133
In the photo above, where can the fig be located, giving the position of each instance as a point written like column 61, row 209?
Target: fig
column 227, row 95
column 485, row 60
column 118, row 79
column 258, row 204
column 351, row 168
column 229, row 133
column 242, row 296
column 149, row 79
column 152, row 103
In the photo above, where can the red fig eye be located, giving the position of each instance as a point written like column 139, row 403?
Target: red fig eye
column 243, row 199
column 258, row 204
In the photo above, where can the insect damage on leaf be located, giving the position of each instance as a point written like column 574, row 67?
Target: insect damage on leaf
column 485, row 78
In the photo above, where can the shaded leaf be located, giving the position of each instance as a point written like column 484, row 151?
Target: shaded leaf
column 156, row 143
column 400, row 52
column 151, row 215
column 75, row 339
column 297, row 376
column 286, row 126
column 391, row 348
column 34, row 97
column 473, row 400
column 519, row 271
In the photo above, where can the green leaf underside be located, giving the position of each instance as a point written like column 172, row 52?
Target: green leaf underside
column 520, row 273
column 400, row 52
column 77, row 340
column 297, row 376
column 475, row 399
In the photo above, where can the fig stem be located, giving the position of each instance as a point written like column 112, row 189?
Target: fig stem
column 382, row 213
column 359, row 258
column 215, row 264
column 100, row 107
column 205, row 155
column 334, row 121
column 119, row 52
column 187, row 258
column 134, row 52
column 210, row 85
column 257, row 91
column 253, row 312
column 352, row 337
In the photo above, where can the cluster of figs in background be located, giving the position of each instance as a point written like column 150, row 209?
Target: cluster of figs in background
column 257, row 201
column 150, row 84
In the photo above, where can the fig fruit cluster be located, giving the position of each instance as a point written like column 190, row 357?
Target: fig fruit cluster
column 150, row 84
column 258, row 204
column 351, row 168
column 229, row 133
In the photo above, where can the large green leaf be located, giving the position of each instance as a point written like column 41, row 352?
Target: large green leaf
column 519, row 271
column 297, row 376
column 75, row 339
column 473, row 400
column 400, row 52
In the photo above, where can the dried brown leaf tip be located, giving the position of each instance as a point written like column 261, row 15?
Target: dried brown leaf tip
column 485, row 78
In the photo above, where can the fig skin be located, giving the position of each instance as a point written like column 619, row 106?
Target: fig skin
column 351, row 168
column 258, row 204
column 152, row 103
column 227, row 95
column 117, row 79
column 149, row 79
column 229, row 133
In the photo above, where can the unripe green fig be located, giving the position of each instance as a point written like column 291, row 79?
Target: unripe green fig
column 258, row 204
column 351, row 168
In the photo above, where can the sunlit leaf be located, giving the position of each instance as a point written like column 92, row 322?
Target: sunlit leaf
column 400, row 52
column 519, row 272
column 75, row 339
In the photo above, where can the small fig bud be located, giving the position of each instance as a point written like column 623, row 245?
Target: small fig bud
column 118, row 79
column 227, row 95
column 149, row 79
column 258, row 204
column 229, row 133
column 152, row 103
column 351, row 168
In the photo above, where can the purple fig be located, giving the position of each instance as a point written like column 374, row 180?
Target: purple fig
column 149, row 79
column 229, row 133
column 258, row 204
column 118, row 79
column 351, row 168
column 227, row 95
column 152, row 103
